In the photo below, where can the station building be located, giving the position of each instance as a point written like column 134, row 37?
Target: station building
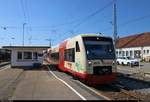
column 136, row 46
column 24, row 56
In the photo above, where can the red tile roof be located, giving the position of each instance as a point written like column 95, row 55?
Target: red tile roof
column 136, row 40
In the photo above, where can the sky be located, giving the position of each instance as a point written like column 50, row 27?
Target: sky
column 60, row 19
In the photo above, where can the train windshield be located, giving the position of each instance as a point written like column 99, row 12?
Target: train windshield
column 100, row 48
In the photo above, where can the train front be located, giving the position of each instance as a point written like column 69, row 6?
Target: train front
column 100, row 61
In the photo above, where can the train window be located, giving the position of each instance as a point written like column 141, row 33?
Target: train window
column 77, row 47
column 70, row 55
column 19, row 55
column 66, row 55
column 27, row 55
column 147, row 51
column 55, row 56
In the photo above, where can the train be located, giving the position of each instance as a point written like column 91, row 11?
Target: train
column 89, row 57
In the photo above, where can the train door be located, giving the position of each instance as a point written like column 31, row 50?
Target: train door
column 62, row 48
column 61, row 59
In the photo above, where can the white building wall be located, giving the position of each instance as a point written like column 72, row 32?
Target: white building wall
column 16, row 62
column 146, row 48
column 133, row 49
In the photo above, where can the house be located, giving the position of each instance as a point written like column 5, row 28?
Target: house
column 136, row 46
column 24, row 56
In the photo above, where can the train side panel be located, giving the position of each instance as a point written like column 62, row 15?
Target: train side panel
column 80, row 58
column 74, row 61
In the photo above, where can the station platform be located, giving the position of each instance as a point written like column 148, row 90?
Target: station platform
column 41, row 85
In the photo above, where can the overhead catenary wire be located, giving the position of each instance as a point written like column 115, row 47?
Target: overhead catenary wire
column 130, row 21
column 57, row 25
column 27, row 11
column 135, row 20
column 42, row 27
column 29, row 29
column 23, row 9
column 93, row 14
column 89, row 17
column 24, row 5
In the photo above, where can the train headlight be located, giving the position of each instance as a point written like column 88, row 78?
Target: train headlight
column 89, row 63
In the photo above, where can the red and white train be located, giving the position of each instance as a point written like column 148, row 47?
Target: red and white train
column 89, row 57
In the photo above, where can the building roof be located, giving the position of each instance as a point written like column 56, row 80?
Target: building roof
column 26, row 47
column 136, row 40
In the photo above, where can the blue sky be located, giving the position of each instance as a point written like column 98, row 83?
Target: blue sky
column 60, row 19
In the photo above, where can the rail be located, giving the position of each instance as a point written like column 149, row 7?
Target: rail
column 4, row 63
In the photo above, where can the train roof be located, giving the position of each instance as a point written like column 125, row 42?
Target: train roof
column 87, row 35
column 90, row 35
column 93, row 35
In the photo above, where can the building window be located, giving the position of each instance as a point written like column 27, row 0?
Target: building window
column 40, row 54
column 131, row 54
column 35, row 55
column 116, row 53
column 144, row 51
column 147, row 51
column 19, row 55
column 119, row 53
column 123, row 53
column 126, row 53
column 27, row 55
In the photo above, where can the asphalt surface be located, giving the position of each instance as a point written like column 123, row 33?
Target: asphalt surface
column 43, row 85
column 38, row 85
column 77, row 85
column 7, row 79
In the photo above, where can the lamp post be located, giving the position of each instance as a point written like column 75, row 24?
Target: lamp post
column 23, row 34
column 114, row 28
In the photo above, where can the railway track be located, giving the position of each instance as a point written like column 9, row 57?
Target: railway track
column 113, row 92
column 121, row 91
column 4, row 64
column 4, row 67
column 124, row 93
column 135, row 84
